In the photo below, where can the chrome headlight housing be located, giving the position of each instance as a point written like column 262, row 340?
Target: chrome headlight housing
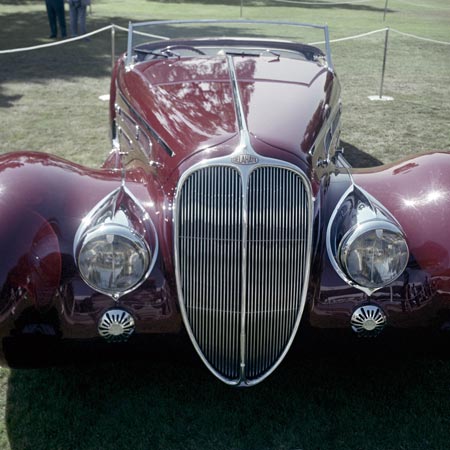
column 373, row 254
column 116, row 244
column 113, row 259
column 365, row 244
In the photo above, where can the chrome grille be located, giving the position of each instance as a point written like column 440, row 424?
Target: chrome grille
column 210, row 237
column 277, row 238
column 228, row 224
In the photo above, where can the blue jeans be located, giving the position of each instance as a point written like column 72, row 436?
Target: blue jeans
column 77, row 20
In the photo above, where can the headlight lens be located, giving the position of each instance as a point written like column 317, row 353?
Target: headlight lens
column 374, row 254
column 113, row 259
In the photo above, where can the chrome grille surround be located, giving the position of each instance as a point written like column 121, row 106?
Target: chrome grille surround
column 241, row 338
column 242, row 308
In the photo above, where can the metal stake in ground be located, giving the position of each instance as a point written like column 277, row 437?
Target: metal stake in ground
column 383, row 70
column 385, row 10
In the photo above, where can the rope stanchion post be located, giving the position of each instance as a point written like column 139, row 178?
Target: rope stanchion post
column 242, row 7
column 385, row 10
column 113, row 46
column 383, row 70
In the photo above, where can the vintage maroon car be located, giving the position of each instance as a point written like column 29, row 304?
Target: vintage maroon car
column 225, row 209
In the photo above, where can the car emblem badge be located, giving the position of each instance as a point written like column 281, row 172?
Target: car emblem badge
column 244, row 159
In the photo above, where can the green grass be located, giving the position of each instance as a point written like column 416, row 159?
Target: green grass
column 49, row 102
column 371, row 400
column 49, row 98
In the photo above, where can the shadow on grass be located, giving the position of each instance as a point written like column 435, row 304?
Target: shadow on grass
column 369, row 398
column 357, row 158
column 20, row 2
column 31, row 29
column 318, row 4
column 65, row 62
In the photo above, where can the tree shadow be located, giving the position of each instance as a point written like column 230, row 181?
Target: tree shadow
column 169, row 400
column 91, row 59
column 7, row 101
column 20, row 2
column 285, row 4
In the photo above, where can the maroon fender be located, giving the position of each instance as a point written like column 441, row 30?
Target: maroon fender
column 417, row 192
column 33, row 265
column 43, row 201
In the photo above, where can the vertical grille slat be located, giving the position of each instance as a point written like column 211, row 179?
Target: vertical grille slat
column 213, row 238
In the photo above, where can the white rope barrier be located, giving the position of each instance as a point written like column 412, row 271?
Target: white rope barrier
column 109, row 27
column 78, row 38
column 53, row 44
column 357, row 36
column 422, row 5
column 295, row 2
column 348, row 38
column 118, row 27
column 141, row 33
column 419, row 37
column 352, row 2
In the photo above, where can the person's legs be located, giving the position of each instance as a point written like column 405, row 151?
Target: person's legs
column 73, row 21
column 60, row 13
column 82, row 18
column 51, row 17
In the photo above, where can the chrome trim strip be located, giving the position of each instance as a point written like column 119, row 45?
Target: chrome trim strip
column 129, row 43
column 240, row 115
column 327, row 47
column 146, row 126
column 244, row 148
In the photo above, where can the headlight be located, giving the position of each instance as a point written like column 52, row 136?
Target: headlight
column 373, row 254
column 113, row 259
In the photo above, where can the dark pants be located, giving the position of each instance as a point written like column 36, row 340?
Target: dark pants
column 55, row 10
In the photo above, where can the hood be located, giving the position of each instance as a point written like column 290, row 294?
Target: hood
column 189, row 102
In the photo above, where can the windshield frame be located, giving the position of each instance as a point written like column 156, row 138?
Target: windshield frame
column 136, row 28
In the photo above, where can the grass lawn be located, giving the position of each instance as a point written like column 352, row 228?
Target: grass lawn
column 168, row 400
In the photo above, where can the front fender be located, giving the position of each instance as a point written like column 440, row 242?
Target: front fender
column 41, row 203
column 417, row 192
column 43, row 200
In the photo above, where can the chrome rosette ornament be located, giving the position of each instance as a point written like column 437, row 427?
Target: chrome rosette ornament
column 368, row 321
column 116, row 245
column 116, row 325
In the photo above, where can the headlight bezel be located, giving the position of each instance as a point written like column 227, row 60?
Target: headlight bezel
column 357, row 213
column 118, row 212
column 359, row 231
column 125, row 233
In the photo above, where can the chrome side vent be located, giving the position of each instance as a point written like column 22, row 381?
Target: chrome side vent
column 242, row 254
column 116, row 325
column 368, row 320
